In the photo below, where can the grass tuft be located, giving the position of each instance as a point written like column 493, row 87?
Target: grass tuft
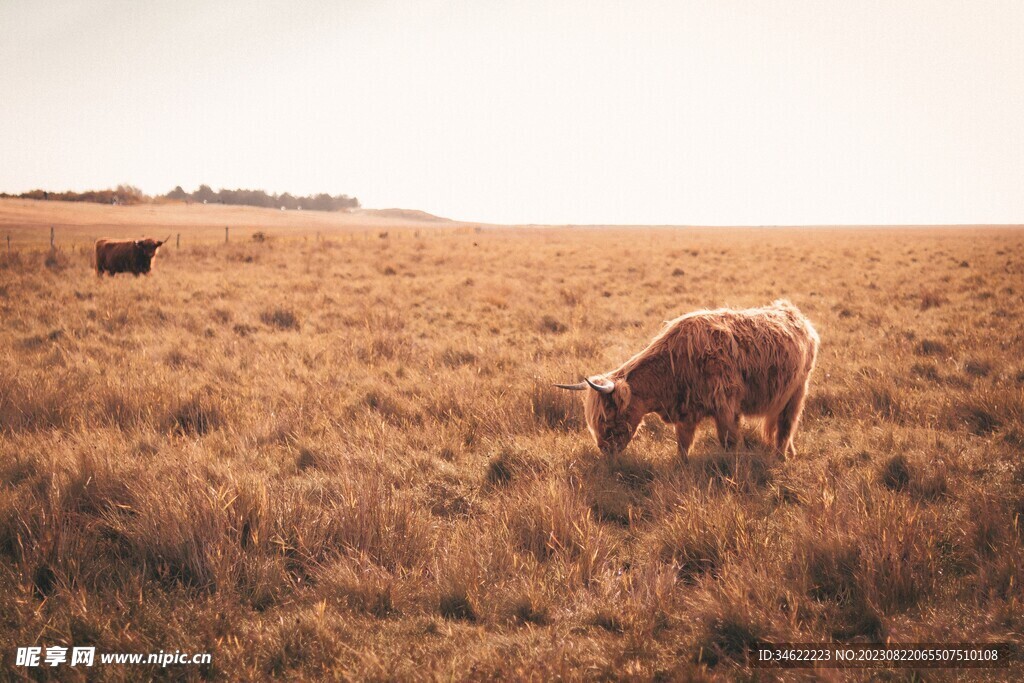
column 196, row 415
column 56, row 260
column 527, row 610
column 280, row 318
column 931, row 347
column 729, row 634
column 698, row 539
column 606, row 620
column 895, row 474
column 553, row 325
column 555, row 408
column 932, row 299
column 455, row 604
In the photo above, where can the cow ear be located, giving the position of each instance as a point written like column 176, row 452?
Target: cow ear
column 622, row 394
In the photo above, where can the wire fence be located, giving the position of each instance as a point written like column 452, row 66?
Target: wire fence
column 74, row 237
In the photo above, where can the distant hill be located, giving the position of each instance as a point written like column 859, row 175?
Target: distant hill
column 403, row 214
column 28, row 221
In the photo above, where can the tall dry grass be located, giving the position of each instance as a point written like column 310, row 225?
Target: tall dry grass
column 344, row 458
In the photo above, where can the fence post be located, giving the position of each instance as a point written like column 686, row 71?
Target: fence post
column 51, row 237
column 225, row 234
column 177, row 242
column 8, row 246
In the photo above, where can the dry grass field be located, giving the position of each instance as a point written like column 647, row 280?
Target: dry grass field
column 343, row 458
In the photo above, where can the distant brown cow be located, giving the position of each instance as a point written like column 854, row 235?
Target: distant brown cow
column 126, row 256
column 719, row 364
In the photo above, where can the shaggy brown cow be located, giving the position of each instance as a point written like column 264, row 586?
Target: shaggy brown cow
column 720, row 364
column 126, row 256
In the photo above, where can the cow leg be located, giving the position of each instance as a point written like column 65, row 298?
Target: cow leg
column 788, row 420
column 684, row 436
column 771, row 428
column 727, row 422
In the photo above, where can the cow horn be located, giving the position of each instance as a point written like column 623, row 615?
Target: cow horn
column 573, row 387
column 164, row 240
column 602, row 386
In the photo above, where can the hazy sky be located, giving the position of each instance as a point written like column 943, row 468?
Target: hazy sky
column 710, row 112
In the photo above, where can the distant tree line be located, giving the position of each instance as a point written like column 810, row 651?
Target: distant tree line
column 127, row 194
column 317, row 202
column 123, row 194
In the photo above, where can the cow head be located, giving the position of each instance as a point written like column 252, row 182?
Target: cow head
column 611, row 416
column 145, row 251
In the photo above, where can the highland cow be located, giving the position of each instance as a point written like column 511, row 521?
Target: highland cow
column 126, row 256
column 720, row 364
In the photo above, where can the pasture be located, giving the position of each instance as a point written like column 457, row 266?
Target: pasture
column 343, row 457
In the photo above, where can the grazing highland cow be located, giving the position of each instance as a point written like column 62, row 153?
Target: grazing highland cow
column 720, row 364
column 126, row 256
